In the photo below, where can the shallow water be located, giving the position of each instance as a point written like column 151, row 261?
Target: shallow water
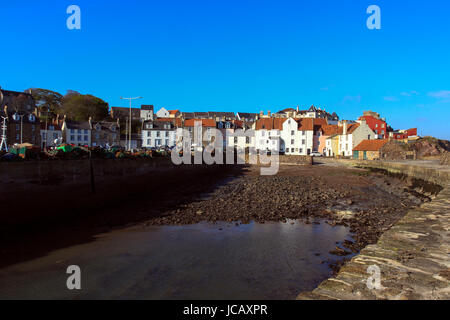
column 254, row 261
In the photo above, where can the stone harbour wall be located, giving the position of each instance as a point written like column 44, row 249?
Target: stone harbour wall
column 412, row 257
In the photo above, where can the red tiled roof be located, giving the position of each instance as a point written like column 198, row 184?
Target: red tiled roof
column 330, row 129
column 351, row 127
column 370, row 145
column 270, row 123
column 320, row 121
column 175, row 121
column 205, row 122
column 305, row 124
column 238, row 123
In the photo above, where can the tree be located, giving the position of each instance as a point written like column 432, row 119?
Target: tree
column 47, row 101
column 80, row 107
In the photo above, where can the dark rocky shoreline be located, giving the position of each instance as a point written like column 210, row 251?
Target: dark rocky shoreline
column 368, row 203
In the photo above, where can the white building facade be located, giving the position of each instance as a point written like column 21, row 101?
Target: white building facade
column 157, row 134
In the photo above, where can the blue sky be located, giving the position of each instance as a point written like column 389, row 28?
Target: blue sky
column 242, row 55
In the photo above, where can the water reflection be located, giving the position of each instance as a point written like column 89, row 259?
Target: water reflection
column 253, row 261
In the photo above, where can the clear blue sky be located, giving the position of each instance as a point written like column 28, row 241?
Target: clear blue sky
column 239, row 55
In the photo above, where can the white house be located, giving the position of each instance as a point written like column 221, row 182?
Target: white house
column 297, row 136
column 158, row 134
column 163, row 113
column 77, row 132
column 350, row 135
column 147, row 112
column 268, row 133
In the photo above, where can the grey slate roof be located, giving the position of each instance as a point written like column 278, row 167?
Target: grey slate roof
column 70, row 124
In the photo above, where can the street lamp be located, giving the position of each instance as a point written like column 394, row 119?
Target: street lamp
column 129, row 127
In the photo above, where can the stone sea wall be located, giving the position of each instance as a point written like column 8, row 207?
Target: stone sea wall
column 412, row 257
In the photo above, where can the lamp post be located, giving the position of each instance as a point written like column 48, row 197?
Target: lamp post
column 129, row 127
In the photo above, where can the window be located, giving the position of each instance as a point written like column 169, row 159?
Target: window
column 149, row 141
column 292, row 149
column 376, row 125
column 33, row 128
column 148, row 133
column 17, row 137
column 51, row 128
column 247, row 139
column 72, row 131
column 86, row 138
column 55, row 136
column 17, row 127
column 167, row 133
column 158, row 133
column 292, row 141
column 382, row 125
column 301, row 150
column 31, row 118
column 158, row 142
column 228, row 125
column 303, row 133
column 79, row 137
column 72, row 138
column 44, row 136
column 292, row 132
column 167, row 142
column 263, row 133
column 303, row 141
column 86, row 131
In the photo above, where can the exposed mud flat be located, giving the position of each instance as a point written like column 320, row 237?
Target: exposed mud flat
column 369, row 203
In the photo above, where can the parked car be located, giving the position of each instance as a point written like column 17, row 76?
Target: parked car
column 316, row 154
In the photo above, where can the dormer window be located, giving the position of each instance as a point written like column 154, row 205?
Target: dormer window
column 16, row 117
column 97, row 127
column 31, row 118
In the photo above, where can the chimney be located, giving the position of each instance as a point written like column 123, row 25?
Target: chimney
column 261, row 113
column 90, row 122
column 298, row 109
column 268, row 113
column 345, row 127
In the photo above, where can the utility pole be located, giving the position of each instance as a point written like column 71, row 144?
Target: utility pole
column 129, row 127
column 21, row 128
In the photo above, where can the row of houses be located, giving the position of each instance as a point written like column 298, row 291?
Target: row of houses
column 291, row 131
